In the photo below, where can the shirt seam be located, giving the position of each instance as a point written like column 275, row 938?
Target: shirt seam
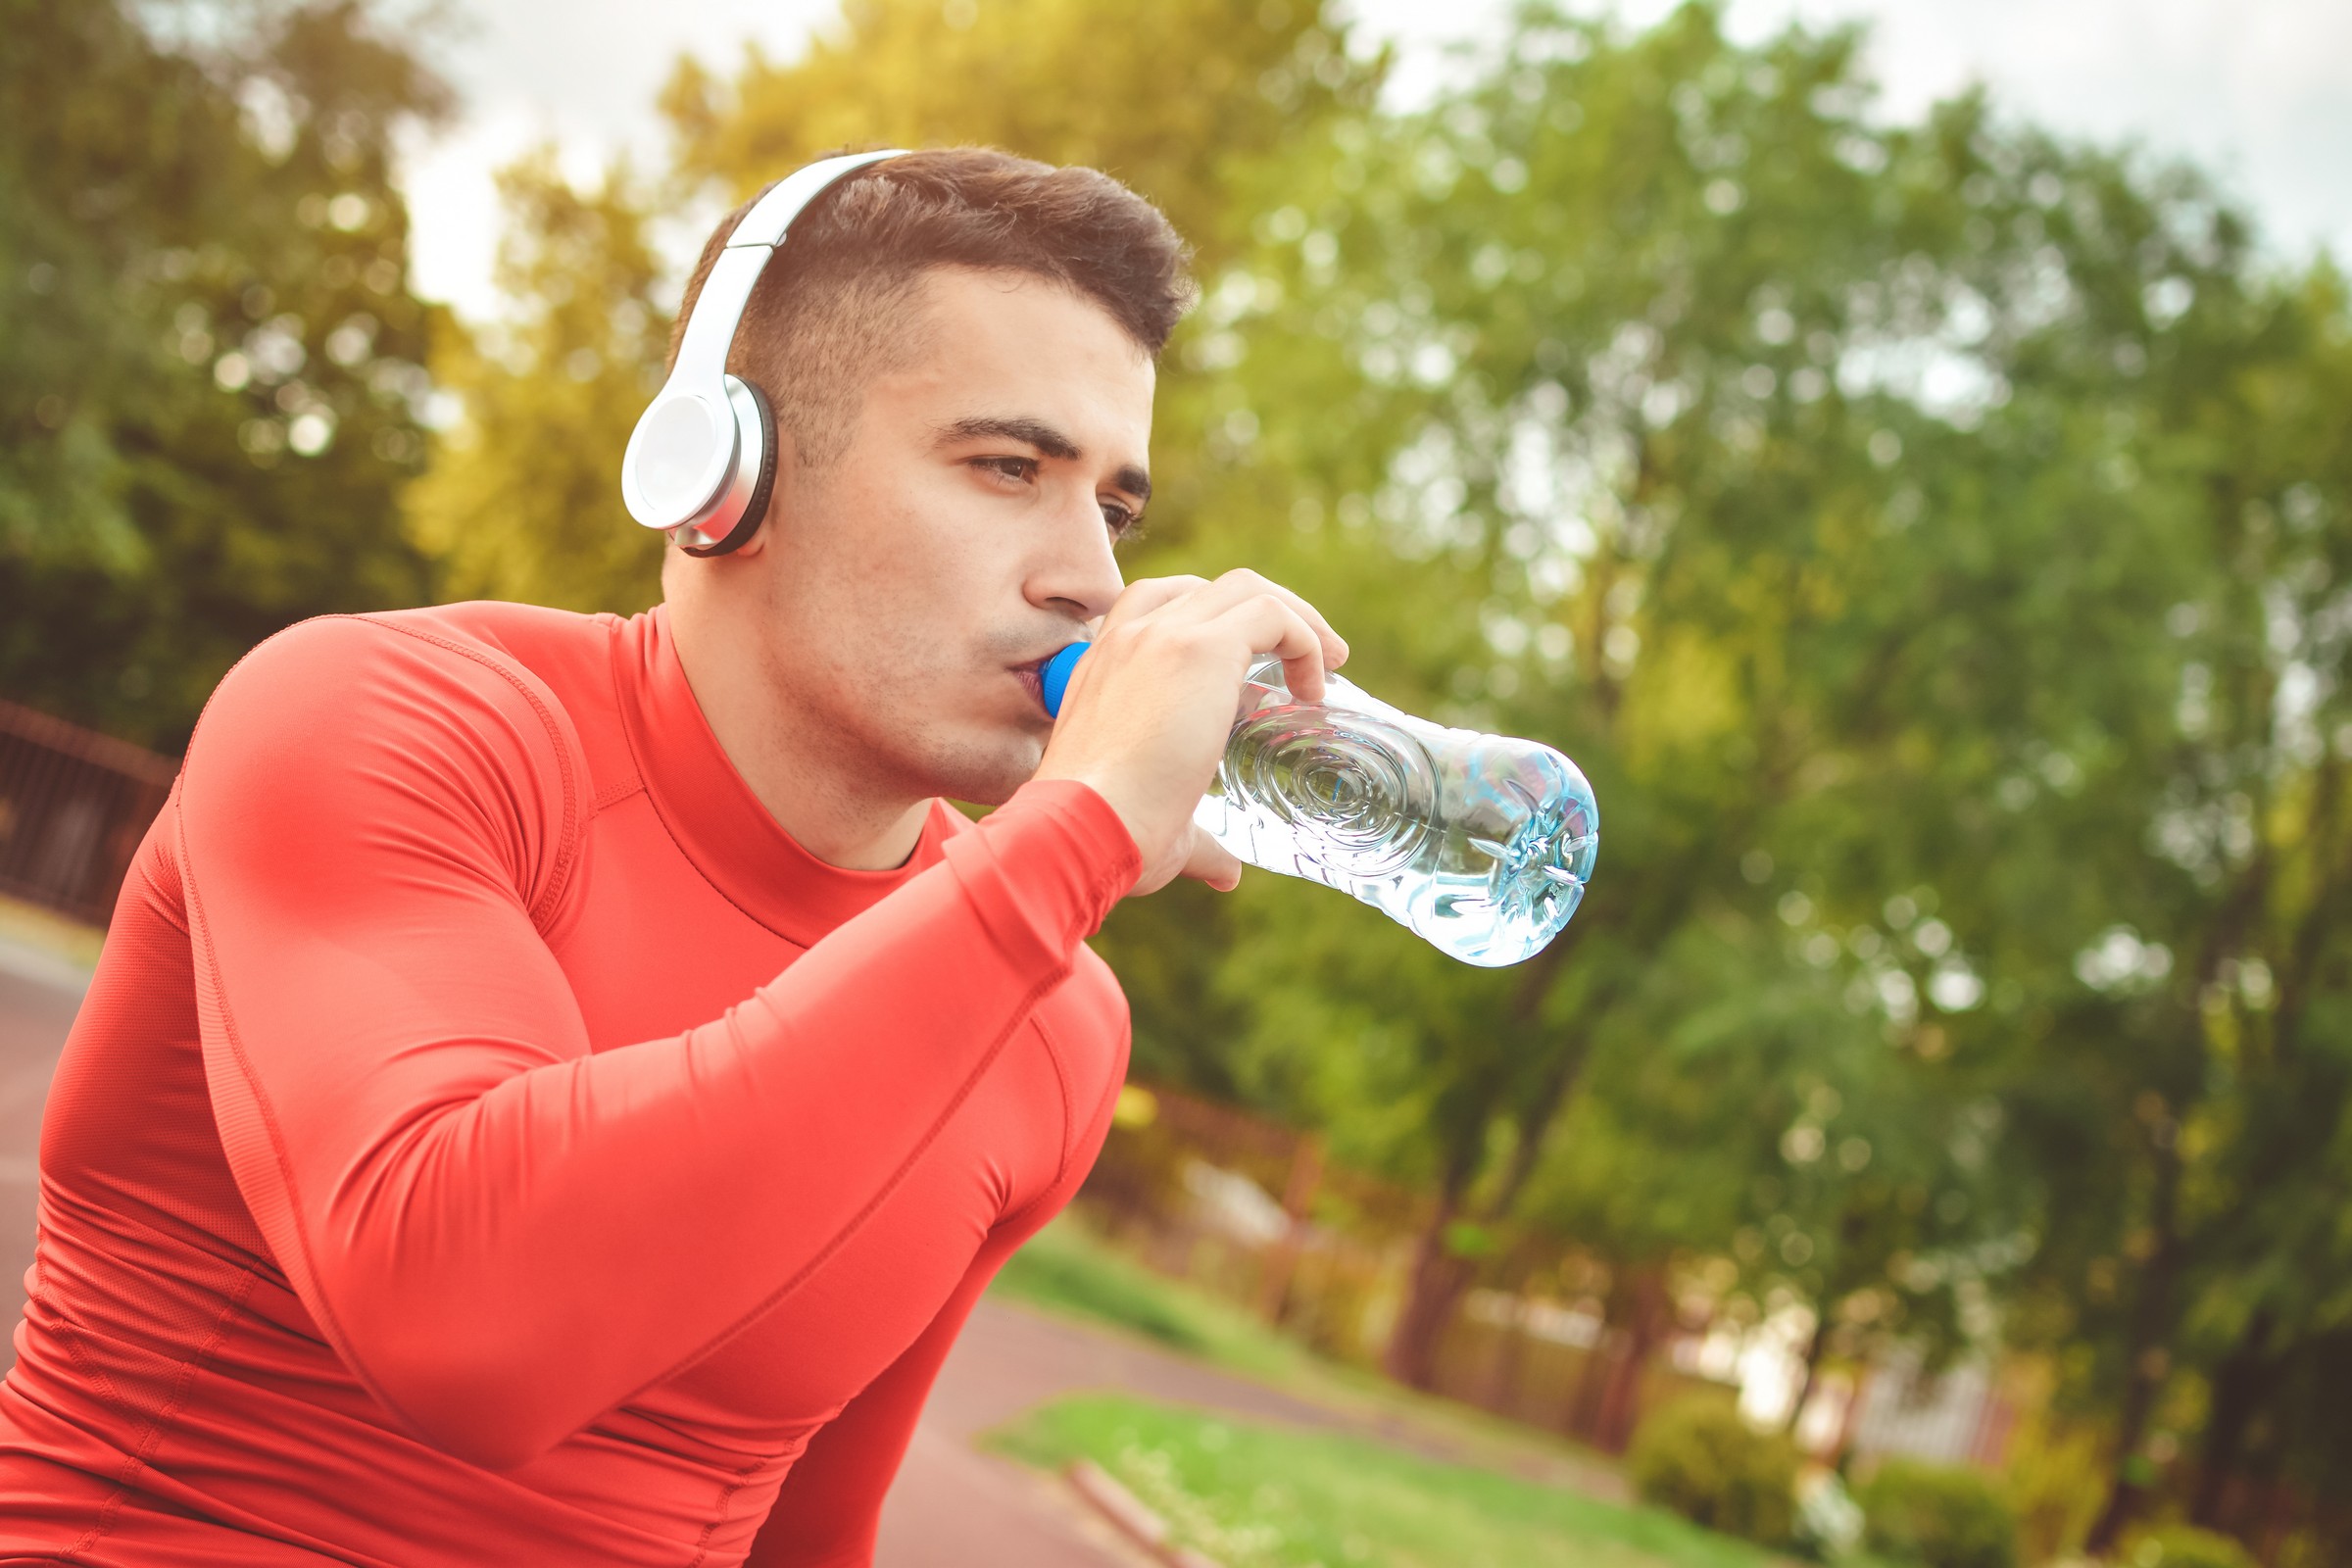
column 1069, row 1127
column 344, row 1346
column 110, row 1513
column 567, row 844
column 736, row 1481
column 613, row 795
column 857, row 1222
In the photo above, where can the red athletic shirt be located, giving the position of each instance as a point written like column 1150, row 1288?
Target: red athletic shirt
column 490, row 1139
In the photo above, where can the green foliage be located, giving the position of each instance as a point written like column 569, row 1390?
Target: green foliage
column 1255, row 1496
column 2055, row 1483
column 2185, row 1546
column 1700, row 1458
column 522, row 499
column 1177, row 99
column 212, row 384
column 1936, row 1516
column 1926, row 537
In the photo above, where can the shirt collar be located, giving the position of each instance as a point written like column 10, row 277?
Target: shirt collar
column 712, row 813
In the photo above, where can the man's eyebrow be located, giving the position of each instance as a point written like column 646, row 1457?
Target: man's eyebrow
column 1046, row 439
column 1029, row 432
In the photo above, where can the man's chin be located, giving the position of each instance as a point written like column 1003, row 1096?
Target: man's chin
column 988, row 776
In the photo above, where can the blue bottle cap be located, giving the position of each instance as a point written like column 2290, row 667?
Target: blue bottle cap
column 1056, row 675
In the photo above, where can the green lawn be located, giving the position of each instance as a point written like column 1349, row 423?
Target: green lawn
column 1259, row 1497
column 31, row 925
column 1069, row 1270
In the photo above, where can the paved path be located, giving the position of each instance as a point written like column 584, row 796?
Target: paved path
column 957, row 1504
column 39, row 994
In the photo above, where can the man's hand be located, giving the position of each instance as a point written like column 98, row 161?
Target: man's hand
column 1149, row 707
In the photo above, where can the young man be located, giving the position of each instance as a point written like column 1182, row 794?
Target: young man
column 555, row 1085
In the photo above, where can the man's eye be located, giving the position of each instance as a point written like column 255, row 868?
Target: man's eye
column 1020, row 470
column 1121, row 518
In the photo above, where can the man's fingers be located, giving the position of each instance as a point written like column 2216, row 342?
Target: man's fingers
column 1208, row 600
column 1145, row 718
column 1211, row 862
column 1270, row 625
column 1142, row 597
column 1240, row 584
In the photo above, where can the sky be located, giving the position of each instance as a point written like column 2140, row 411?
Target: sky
column 2258, row 91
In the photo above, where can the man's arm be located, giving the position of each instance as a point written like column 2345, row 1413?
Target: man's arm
column 502, row 1233
column 831, row 1503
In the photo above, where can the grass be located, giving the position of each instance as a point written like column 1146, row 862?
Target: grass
column 31, row 925
column 1067, row 1270
column 1070, row 1271
column 1261, row 1497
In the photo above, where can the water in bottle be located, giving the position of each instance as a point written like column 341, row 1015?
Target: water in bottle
column 1482, row 844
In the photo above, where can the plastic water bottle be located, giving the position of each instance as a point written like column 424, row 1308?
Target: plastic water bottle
column 1481, row 844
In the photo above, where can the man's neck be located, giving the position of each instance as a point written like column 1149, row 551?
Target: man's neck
column 817, row 791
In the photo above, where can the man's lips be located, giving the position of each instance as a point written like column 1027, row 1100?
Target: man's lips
column 1031, row 673
column 1032, row 678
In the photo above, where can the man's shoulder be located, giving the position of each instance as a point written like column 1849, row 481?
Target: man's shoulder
column 494, row 631
column 436, row 674
column 408, row 728
column 453, row 657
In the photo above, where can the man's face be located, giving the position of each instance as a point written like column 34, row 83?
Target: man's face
column 913, row 587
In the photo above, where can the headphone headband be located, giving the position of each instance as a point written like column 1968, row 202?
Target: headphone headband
column 699, row 461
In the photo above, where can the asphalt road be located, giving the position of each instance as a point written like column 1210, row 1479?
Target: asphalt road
column 39, row 994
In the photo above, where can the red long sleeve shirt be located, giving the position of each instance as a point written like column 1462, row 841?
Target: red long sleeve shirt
column 490, row 1139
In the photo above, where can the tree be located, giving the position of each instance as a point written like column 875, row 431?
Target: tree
column 1850, row 503
column 522, row 499
column 212, row 390
column 1577, row 327
column 1184, row 101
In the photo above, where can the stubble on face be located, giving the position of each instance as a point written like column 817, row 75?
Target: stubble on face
column 903, row 590
column 868, row 671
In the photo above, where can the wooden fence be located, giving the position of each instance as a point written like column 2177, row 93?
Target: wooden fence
column 73, row 805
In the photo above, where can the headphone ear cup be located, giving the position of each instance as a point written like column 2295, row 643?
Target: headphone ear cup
column 756, row 508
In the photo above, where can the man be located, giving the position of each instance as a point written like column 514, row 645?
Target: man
column 555, row 1085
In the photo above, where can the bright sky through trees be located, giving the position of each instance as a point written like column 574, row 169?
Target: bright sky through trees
column 2260, row 93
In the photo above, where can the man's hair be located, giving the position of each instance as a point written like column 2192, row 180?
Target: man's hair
column 834, row 306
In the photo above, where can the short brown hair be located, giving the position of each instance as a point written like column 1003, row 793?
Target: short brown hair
column 829, row 311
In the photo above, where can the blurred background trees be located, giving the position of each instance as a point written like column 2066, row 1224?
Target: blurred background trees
column 515, row 504
column 1930, row 538
column 213, row 382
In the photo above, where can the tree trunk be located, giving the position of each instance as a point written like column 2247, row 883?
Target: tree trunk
column 2241, row 1385
column 2149, row 1365
column 1648, row 1320
column 1435, row 1286
column 1281, row 1261
column 1814, row 1347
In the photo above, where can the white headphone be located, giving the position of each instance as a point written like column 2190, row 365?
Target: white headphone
column 703, row 458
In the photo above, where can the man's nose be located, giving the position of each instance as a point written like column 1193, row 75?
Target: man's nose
column 1078, row 574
